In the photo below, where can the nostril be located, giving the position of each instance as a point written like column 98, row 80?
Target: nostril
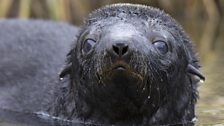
column 116, row 49
column 124, row 50
column 120, row 49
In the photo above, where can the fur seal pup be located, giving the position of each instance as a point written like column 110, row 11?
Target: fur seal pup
column 130, row 65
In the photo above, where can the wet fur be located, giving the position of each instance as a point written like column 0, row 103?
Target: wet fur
column 32, row 55
column 178, row 98
column 74, row 97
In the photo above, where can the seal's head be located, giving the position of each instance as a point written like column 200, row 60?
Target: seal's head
column 126, row 62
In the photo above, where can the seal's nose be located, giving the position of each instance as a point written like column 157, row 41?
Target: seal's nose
column 120, row 49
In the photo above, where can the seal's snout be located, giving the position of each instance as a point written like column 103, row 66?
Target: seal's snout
column 120, row 54
column 120, row 49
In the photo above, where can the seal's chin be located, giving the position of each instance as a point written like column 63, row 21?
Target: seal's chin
column 125, row 91
column 120, row 74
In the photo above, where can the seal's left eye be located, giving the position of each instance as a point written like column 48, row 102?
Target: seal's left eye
column 161, row 46
column 88, row 45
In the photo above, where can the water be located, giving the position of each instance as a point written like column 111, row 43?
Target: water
column 210, row 108
column 11, row 118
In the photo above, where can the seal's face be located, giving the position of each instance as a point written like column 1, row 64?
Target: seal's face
column 131, row 63
column 124, row 66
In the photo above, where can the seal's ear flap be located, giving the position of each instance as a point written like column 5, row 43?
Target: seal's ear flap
column 65, row 71
column 193, row 70
column 68, row 67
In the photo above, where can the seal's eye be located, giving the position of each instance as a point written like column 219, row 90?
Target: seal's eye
column 88, row 45
column 161, row 46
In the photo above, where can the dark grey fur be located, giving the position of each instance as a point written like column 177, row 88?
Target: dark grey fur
column 32, row 55
column 86, row 92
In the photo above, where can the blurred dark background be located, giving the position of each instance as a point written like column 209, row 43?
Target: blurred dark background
column 201, row 19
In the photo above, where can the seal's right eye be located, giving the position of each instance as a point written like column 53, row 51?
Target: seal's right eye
column 88, row 45
column 161, row 46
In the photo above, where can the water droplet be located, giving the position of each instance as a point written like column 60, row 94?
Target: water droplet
column 61, row 79
column 202, row 81
column 148, row 97
column 143, row 89
column 194, row 119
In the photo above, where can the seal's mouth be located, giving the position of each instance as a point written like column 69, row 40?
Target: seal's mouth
column 120, row 64
column 121, row 69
